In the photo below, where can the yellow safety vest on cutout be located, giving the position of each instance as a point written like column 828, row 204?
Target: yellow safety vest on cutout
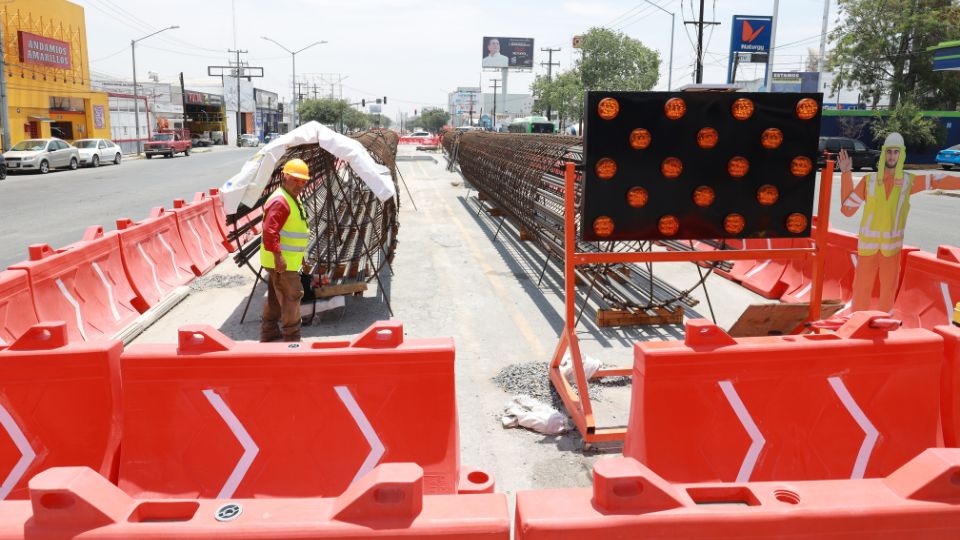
column 884, row 218
column 294, row 236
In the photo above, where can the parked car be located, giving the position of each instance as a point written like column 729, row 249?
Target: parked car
column 862, row 156
column 249, row 139
column 93, row 152
column 41, row 155
column 948, row 157
column 201, row 141
column 168, row 143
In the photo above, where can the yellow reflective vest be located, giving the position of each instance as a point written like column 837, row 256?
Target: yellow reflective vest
column 884, row 217
column 294, row 235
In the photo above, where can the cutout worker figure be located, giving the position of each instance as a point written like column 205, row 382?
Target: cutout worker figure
column 285, row 238
column 886, row 200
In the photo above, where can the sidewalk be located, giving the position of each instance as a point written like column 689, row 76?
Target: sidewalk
column 201, row 150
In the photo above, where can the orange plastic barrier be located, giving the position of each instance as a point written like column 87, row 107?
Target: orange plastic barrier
column 201, row 237
column 628, row 500
column 214, row 418
column 83, row 284
column 390, row 502
column 225, row 229
column 765, row 277
column 59, row 405
column 838, row 272
column 855, row 404
column 949, row 253
column 950, row 385
column 154, row 258
column 930, row 291
column 16, row 306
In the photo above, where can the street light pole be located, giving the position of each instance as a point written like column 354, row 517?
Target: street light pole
column 673, row 17
column 293, row 54
column 136, row 96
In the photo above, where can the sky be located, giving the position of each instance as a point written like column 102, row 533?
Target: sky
column 415, row 52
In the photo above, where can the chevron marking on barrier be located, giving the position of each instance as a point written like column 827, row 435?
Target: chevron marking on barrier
column 213, row 243
column 27, row 454
column 76, row 306
column 376, row 446
column 153, row 269
column 111, row 300
column 250, row 448
column 193, row 229
column 173, row 256
column 870, row 433
column 756, row 446
column 945, row 291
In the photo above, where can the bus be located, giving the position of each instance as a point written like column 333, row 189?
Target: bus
column 532, row 124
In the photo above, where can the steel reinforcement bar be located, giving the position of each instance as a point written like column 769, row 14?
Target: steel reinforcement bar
column 522, row 175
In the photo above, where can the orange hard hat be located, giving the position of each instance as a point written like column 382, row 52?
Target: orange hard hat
column 297, row 168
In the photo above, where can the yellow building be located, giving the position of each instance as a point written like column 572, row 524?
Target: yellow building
column 48, row 72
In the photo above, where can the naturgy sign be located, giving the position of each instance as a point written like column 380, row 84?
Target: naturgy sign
column 44, row 51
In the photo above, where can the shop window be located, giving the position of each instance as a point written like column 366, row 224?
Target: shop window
column 67, row 104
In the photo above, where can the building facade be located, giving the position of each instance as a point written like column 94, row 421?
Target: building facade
column 49, row 91
column 267, row 117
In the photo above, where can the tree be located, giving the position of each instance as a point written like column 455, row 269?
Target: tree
column 433, row 119
column 813, row 60
column 614, row 61
column 907, row 119
column 880, row 45
column 327, row 111
column 355, row 120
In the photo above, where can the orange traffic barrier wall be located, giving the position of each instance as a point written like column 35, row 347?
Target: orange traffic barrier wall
column 950, row 385
column 628, row 500
column 930, row 291
column 60, row 406
column 839, row 271
column 220, row 217
column 391, row 502
column 854, row 404
column 765, row 277
column 199, row 232
column 214, row 418
column 949, row 253
column 83, row 284
column 154, row 258
column 16, row 305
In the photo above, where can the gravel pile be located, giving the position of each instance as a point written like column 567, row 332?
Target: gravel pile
column 532, row 379
column 217, row 281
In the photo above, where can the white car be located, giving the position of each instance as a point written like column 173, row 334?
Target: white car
column 93, row 152
column 41, row 155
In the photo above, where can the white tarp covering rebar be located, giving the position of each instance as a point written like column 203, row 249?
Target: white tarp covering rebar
column 247, row 186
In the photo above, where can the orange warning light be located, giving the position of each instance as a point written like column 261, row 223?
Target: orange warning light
column 742, row 109
column 707, row 138
column 606, row 168
column 637, row 197
column 767, row 195
column 796, row 223
column 734, row 223
column 738, row 167
column 668, row 225
column 608, row 108
column 771, row 138
column 675, row 108
column 801, row 166
column 639, row 139
column 703, row 196
column 806, row 109
column 671, row 167
column 603, row 226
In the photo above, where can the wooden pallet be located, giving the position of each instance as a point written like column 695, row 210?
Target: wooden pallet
column 357, row 287
column 616, row 317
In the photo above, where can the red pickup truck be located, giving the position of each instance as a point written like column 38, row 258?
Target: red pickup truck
column 168, row 143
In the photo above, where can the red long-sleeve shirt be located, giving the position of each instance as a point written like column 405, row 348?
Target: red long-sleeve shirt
column 274, row 216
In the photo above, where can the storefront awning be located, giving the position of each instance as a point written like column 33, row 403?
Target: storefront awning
column 42, row 118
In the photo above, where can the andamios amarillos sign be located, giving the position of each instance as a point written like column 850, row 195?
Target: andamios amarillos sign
column 44, row 51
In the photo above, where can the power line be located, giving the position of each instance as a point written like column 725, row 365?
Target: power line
column 700, row 23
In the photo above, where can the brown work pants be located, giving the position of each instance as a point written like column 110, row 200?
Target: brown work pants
column 283, row 306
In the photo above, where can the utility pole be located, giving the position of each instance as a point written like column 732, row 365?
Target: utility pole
column 550, row 63
column 823, row 44
column 700, row 24
column 314, row 90
column 4, row 108
column 495, row 85
column 238, row 52
column 472, row 99
column 183, row 100
column 773, row 45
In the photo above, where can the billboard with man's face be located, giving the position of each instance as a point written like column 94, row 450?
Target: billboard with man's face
column 505, row 52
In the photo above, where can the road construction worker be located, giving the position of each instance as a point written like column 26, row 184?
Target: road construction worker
column 285, row 238
column 885, row 197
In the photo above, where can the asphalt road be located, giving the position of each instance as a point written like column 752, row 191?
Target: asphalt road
column 57, row 207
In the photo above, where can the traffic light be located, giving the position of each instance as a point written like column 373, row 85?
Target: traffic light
column 363, row 103
column 378, row 101
column 384, row 100
column 414, row 112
